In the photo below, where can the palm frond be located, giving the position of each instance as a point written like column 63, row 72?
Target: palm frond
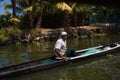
column 7, row 5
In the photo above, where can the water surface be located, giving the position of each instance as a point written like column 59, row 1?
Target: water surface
column 100, row 68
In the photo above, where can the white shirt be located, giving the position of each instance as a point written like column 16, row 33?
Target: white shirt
column 61, row 45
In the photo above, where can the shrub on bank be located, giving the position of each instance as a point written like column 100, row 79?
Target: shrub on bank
column 14, row 33
column 3, row 35
column 35, row 32
column 3, row 38
column 2, row 31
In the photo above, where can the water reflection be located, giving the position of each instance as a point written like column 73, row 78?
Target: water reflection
column 7, row 59
column 4, row 60
column 25, row 56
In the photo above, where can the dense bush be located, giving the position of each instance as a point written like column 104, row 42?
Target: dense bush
column 35, row 32
column 3, row 35
column 14, row 33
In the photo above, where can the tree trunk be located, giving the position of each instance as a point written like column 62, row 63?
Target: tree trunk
column 38, row 25
column 31, row 20
column 66, row 19
column 75, row 20
column 14, row 7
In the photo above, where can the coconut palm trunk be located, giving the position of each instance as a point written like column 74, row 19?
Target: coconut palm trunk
column 75, row 19
column 66, row 19
column 14, row 7
column 31, row 20
column 38, row 25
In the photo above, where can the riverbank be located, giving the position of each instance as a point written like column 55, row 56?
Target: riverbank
column 47, row 34
column 46, row 30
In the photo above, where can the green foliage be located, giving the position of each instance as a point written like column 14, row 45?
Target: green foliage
column 3, row 35
column 95, row 35
column 33, row 11
column 7, row 5
column 84, row 9
column 14, row 20
column 14, row 32
column 35, row 32
column 100, row 35
column 83, row 37
column 10, row 33
column 3, row 31
column 4, row 19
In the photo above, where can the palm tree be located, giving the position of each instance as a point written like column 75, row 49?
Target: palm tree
column 31, row 9
column 81, row 13
column 74, row 13
column 13, row 6
column 65, row 10
column 35, row 9
column 47, row 8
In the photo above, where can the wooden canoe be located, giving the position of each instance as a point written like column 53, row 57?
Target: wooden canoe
column 47, row 63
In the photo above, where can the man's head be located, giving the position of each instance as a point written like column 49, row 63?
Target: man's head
column 64, row 35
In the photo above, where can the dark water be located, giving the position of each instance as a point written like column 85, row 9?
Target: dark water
column 102, row 68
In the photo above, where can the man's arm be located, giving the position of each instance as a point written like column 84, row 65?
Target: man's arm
column 58, row 53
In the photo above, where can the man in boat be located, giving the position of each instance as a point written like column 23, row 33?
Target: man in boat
column 61, row 51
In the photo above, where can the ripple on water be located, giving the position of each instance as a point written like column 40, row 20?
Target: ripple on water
column 107, row 68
